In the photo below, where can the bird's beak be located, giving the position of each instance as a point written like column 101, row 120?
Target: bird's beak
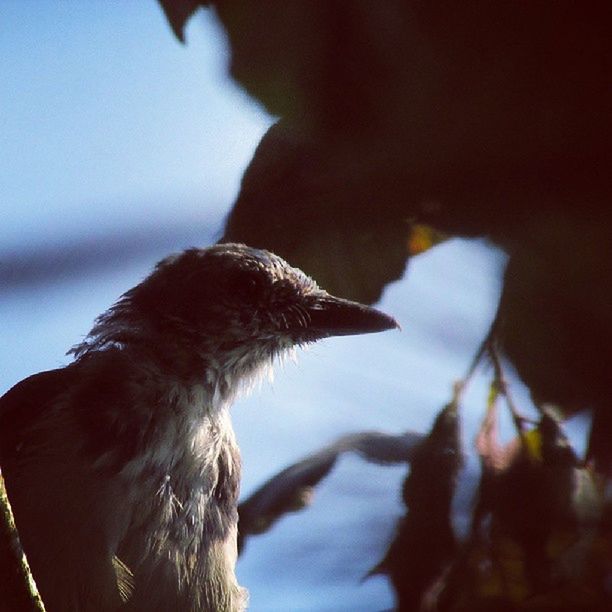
column 332, row 316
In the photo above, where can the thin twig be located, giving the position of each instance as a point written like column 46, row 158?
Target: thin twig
column 19, row 589
column 500, row 380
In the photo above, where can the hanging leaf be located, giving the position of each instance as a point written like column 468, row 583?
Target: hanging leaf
column 425, row 543
column 536, row 537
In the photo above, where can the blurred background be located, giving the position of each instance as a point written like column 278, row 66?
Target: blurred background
column 119, row 145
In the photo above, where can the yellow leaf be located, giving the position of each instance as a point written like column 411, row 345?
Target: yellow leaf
column 423, row 237
column 533, row 444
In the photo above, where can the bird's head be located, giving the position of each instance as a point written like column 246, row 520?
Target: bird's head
column 233, row 305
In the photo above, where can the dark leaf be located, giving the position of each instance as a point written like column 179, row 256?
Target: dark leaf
column 291, row 489
column 178, row 13
column 424, row 543
column 331, row 211
column 553, row 320
column 471, row 142
column 540, row 538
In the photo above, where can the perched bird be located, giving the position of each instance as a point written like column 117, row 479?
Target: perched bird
column 122, row 467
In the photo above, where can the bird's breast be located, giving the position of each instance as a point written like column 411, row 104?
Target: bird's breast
column 187, row 492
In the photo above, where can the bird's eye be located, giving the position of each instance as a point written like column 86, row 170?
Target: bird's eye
column 245, row 285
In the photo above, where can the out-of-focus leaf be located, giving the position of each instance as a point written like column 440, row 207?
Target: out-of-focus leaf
column 379, row 447
column 543, row 540
column 532, row 499
column 178, row 13
column 553, row 320
column 481, row 141
column 324, row 209
column 424, row 543
column 292, row 488
column 328, row 64
column 287, row 491
column 405, row 68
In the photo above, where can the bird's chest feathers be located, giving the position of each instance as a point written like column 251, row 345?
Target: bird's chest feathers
column 193, row 430
column 188, row 470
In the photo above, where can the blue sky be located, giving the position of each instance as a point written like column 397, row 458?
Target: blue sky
column 107, row 121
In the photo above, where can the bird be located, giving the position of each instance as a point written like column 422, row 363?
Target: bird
column 122, row 467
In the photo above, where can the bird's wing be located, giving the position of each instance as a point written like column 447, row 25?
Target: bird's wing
column 23, row 404
column 61, row 505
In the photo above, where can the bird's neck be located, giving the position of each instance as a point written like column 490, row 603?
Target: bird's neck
column 225, row 367
column 224, row 370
